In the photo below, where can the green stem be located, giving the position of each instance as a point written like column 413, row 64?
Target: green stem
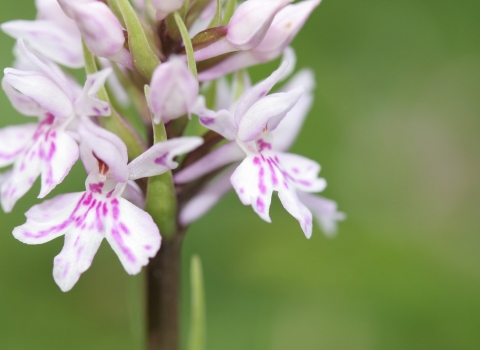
column 188, row 44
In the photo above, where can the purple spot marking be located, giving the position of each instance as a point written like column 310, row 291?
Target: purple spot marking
column 207, row 120
column 264, row 145
column 125, row 250
column 148, row 247
column 296, row 170
column 161, row 160
column 261, row 183
column 260, row 205
column 96, row 188
column 96, row 110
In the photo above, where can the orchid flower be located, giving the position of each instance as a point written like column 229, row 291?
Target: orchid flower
column 101, row 30
column 173, row 90
column 45, row 148
column 166, row 7
column 52, row 34
column 86, row 218
column 282, row 31
column 324, row 210
column 246, row 29
column 251, row 125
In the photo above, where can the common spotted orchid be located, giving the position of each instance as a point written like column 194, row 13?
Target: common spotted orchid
column 251, row 125
column 46, row 148
column 86, row 218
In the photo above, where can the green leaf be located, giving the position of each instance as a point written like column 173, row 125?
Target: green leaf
column 144, row 59
column 188, row 44
column 114, row 122
column 229, row 10
column 217, row 19
column 161, row 201
column 197, row 337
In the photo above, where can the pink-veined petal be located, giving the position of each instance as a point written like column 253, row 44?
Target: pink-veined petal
column 13, row 141
column 133, row 236
column 48, row 220
column 220, row 122
column 42, row 90
column 160, row 157
column 253, row 184
column 302, row 171
column 325, row 211
column 266, row 114
column 296, row 208
column 133, row 193
column 49, row 39
column 23, row 104
column 88, row 104
column 106, row 146
column 288, row 129
column 214, row 160
column 206, row 199
column 258, row 92
column 75, row 258
column 173, row 90
column 60, row 153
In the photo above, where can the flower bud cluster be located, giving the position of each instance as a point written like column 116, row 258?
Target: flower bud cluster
column 164, row 79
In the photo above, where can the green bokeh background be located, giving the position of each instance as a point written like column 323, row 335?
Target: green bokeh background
column 396, row 128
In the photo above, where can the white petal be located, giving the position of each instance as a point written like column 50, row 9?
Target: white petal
column 160, row 157
column 220, row 122
column 133, row 193
column 107, row 146
column 259, row 91
column 325, row 212
column 23, row 104
column 49, row 39
column 133, row 236
column 296, row 208
column 199, row 205
column 75, row 258
column 42, row 90
column 60, row 153
column 302, row 172
column 49, row 220
column 253, row 185
column 88, row 104
column 14, row 140
column 214, row 160
column 266, row 114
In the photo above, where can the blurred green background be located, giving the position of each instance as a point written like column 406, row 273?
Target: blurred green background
column 396, row 128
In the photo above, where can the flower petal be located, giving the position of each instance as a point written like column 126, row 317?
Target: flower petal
column 49, row 39
column 267, row 113
column 303, row 172
column 165, row 7
column 42, row 90
column 173, row 90
column 23, row 104
column 214, row 160
column 289, row 128
column 60, row 153
column 48, row 220
column 133, row 236
column 253, row 185
column 107, row 146
column 296, row 208
column 160, row 157
column 207, row 198
column 220, row 122
column 133, row 193
column 88, row 104
column 75, row 258
column 229, row 65
column 325, row 212
column 13, row 141
column 259, row 91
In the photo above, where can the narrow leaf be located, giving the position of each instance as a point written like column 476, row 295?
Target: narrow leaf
column 188, row 44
